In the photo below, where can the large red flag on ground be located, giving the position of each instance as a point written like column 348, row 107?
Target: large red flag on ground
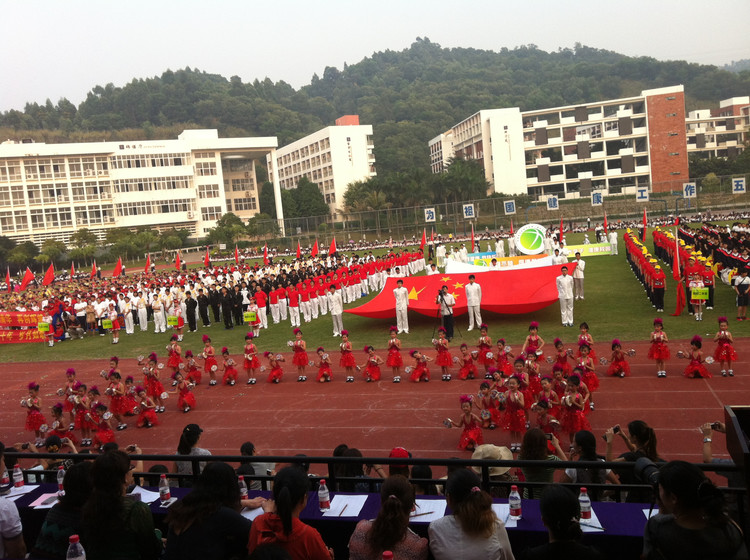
column 332, row 248
column 28, row 276
column 177, row 261
column 472, row 237
column 118, row 268
column 645, row 222
column 72, row 269
column 207, row 259
column 562, row 238
column 315, row 249
column 299, row 251
column 49, row 276
column 236, row 255
column 265, row 254
column 605, row 223
column 148, row 263
column 7, row 279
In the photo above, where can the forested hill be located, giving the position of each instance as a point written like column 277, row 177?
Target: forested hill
column 409, row 96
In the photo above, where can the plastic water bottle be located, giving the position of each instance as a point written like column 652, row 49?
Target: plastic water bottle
column 585, row 502
column 164, row 492
column 243, row 488
column 60, row 479
column 324, row 497
column 17, row 476
column 514, row 501
column 5, row 479
column 75, row 550
column 387, row 555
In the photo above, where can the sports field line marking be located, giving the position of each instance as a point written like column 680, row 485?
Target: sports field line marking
column 721, row 404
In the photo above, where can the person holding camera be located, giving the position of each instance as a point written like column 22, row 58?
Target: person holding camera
column 641, row 442
column 734, row 479
column 692, row 522
column 446, row 301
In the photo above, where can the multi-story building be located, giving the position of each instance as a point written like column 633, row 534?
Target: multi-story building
column 48, row 191
column 441, row 151
column 332, row 158
column 721, row 132
column 612, row 145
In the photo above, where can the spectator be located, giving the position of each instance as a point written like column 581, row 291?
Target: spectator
column 491, row 452
column 454, row 467
column 641, row 442
column 734, row 479
column 11, row 532
column 246, row 468
column 280, row 523
column 534, row 448
column 390, row 530
column 116, row 527
column 425, row 488
column 561, row 514
column 206, row 524
column 53, row 444
column 691, row 523
column 473, row 531
column 65, row 518
column 399, row 453
column 155, row 472
column 584, row 449
column 188, row 445
column 269, row 552
column 353, row 470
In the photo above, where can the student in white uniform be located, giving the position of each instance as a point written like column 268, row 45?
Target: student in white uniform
column 401, row 295
column 474, row 301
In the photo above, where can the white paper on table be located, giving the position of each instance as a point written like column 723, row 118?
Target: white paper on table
column 45, row 501
column 165, row 504
column 147, row 496
column 251, row 514
column 652, row 511
column 21, row 490
column 344, row 505
column 426, row 511
column 503, row 514
column 592, row 525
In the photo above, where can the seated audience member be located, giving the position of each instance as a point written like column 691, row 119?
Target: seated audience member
column 206, row 524
column 584, row 449
column 561, row 514
column 65, row 518
column 473, row 531
column 155, row 472
column 734, row 479
column 641, row 442
column 281, row 525
column 449, row 470
column 353, row 470
column 399, row 453
column 269, row 552
column 692, row 523
column 487, row 451
column 390, row 530
column 188, row 445
column 246, row 468
column 11, row 532
column 423, row 472
column 534, row 447
column 53, row 444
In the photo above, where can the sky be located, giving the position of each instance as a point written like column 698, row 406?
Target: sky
column 55, row 49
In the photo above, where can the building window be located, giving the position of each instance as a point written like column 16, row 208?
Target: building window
column 208, row 191
column 244, row 204
column 205, row 168
column 239, row 185
column 211, row 213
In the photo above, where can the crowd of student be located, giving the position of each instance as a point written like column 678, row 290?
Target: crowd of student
column 206, row 524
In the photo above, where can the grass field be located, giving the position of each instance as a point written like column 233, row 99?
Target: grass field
column 615, row 307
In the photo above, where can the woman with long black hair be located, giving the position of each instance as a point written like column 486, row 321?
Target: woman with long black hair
column 188, row 445
column 584, row 449
column 641, row 442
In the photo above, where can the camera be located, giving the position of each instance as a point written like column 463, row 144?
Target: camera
column 548, row 436
column 616, row 429
column 716, row 426
column 646, row 471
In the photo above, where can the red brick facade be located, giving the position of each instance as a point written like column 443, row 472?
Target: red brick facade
column 667, row 141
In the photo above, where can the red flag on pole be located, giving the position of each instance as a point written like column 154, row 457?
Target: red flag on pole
column 332, row 249
column 315, row 249
column 645, row 223
column 28, row 276
column 299, row 251
column 207, row 259
column 49, row 276
column 511, row 226
column 236, row 255
column 118, row 268
column 424, row 239
column 93, row 269
column 265, row 254
column 177, row 261
column 7, row 279
column 562, row 237
column 72, row 269
column 148, row 263
column 605, row 223
column 680, row 303
column 432, row 235
column 472, row 237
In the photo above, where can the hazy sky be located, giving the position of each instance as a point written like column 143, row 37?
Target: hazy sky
column 54, row 49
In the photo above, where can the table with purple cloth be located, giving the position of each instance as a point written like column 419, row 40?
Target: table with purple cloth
column 621, row 537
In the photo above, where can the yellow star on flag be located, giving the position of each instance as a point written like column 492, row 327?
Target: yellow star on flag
column 414, row 294
column 458, row 285
column 445, row 279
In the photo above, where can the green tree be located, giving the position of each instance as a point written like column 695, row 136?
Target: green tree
column 82, row 238
column 6, row 246
column 23, row 254
column 266, row 201
column 52, row 250
column 308, row 199
column 229, row 228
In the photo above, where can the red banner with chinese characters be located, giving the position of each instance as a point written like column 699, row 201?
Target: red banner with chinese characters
column 21, row 335
column 20, row 319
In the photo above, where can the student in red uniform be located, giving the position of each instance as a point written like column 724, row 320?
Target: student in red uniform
column 471, row 436
column 444, row 358
column 659, row 281
column 347, row 361
column 274, row 364
column 229, row 368
column 696, row 368
column 147, row 418
column 300, row 357
column 395, row 360
column 725, row 352
column 293, row 295
column 34, row 418
column 251, row 363
column 659, row 351
column 325, row 374
column 210, row 365
column 371, row 369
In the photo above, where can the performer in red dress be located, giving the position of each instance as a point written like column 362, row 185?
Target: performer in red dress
column 394, row 360
column 147, row 418
column 586, row 337
column 618, row 364
column 116, row 393
column 504, row 358
column 228, row 367
column 67, row 391
column 104, row 433
column 251, row 363
column 193, row 371
column 210, row 366
column 175, row 354
column 725, row 352
column 444, row 358
column 83, row 422
column 487, row 404
column 186, row 399
column 659, row 351
column 371, row 369
column 58, row 427
column 154, row 388
column 467, row 368
column 549, row 395
column 534, row 343
column 131, row 401
column 276, row 372
column 420, row 372
column 561, row 357
column 696, row 368
column 572, row 419
column 347, row 360
column 300, row 357
column 35, row 420
column 471, row 436
column 514, row 418
column 485, row 345
column 588, row 375
column 325, row 374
